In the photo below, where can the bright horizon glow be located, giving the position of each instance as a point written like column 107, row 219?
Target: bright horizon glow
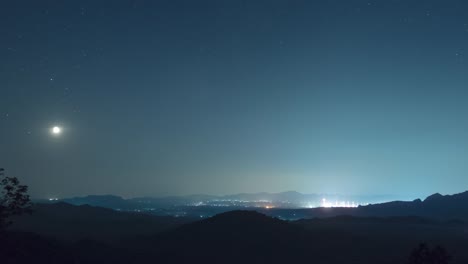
column 345, row 204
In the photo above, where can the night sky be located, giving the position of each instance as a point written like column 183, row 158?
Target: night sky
column 225, row 96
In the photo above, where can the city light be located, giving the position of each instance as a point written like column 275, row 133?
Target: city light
column 345, row 204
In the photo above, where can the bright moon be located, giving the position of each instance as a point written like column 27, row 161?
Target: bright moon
column 56, row 130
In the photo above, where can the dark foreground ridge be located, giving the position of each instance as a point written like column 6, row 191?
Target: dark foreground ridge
column 69, row 222
column 53, row 234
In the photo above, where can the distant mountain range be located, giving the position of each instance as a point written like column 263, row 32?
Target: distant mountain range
column 436, row 206
column 290, row 199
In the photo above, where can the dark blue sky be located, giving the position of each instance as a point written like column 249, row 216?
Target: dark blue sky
column 183, row 96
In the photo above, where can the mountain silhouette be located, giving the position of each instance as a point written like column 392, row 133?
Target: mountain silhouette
column 434, row 197
column 251, row 237
column 234, row 237
column 70, row 222
column 98, row 235
column 288, row 199
column 436, row 206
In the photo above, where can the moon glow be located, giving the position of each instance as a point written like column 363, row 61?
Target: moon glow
column 56, row 130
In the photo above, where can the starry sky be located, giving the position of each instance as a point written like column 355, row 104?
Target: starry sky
column 173, row 97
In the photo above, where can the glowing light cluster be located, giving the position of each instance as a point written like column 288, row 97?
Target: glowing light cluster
column 346, row 204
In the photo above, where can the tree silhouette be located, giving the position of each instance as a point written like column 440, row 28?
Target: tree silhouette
column 14, row 199
column 424, row 255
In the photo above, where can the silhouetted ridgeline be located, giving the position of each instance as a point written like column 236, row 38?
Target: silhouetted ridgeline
column 66, row 221
column 250, row 237
column 437, row 206
column 383, row 233
column 286, row 199
column 442, row 207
